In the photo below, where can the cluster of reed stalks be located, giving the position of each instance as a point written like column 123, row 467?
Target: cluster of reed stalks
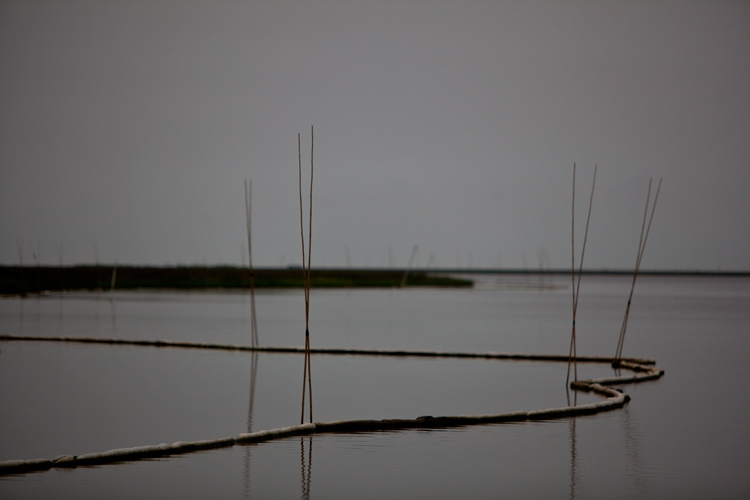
column 576, row 284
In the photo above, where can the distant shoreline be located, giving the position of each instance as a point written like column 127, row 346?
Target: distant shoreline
column 20, row 280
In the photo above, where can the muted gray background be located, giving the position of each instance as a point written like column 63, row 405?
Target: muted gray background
column 128, row 127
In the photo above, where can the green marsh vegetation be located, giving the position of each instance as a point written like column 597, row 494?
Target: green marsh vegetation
column 35, row 279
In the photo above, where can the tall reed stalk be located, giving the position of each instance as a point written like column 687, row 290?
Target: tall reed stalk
column 307, row 373
column 641, row 248
column 248, row 218
column 114, row 278
column 408, row 265
column 98, row 272
column 573, row 354
column 19, row 249
column 60, row 247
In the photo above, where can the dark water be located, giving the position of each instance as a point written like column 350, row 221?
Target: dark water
column 684, row 436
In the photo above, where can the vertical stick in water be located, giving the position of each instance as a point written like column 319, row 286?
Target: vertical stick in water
column 307, row 373
column 572, row 272
column 114, row 278
column 408, row 265
column 98, row 274
column 309, row 230
column 60, row 247
column 19, row 249
column 573, row 354
column 248, row 216
column 304, row 276
column 641, row 248
column 309, row 256
column 635, row 272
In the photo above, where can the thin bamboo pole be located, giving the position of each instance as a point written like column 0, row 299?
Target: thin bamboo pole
column 573, row 354
column 309, row 257
column 98, row 273
column 114, row 278
column 19, row 249
column 572, row 273
column 60, row 247
column 304, row 277
column 307, row 370
column 635, row 272
column 408, row 265
column 248, row 216
column 641, row 247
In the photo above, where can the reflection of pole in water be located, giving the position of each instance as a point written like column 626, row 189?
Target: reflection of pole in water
column 38, row 319
column 21, row 302
column 306, row 466
column 637, row 473
column 572, row 431
column 253, row 376
column 60, row 313
column 112, row 312
column 573, row 469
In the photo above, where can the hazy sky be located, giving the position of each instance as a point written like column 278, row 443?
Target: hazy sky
column 129, row 127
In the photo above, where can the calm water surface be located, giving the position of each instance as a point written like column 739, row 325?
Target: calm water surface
column 684, row 436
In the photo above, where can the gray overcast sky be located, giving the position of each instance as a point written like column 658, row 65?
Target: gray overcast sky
column 129, row 126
